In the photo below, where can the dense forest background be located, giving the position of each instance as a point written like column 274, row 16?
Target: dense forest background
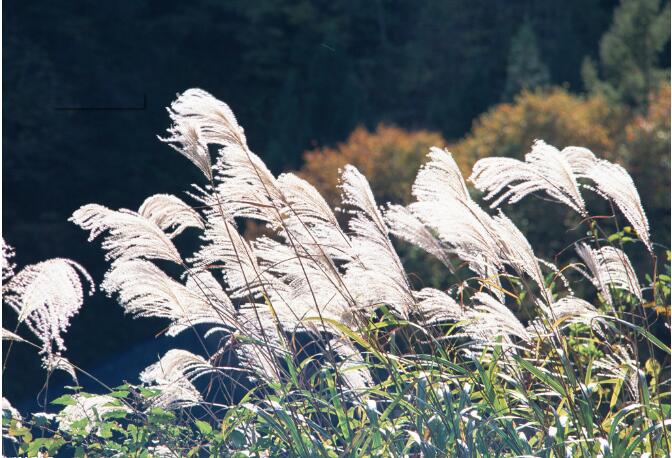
column 86, row 85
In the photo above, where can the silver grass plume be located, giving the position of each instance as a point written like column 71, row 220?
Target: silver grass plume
column 352, row 367
column 199, row 120
column 305, row 291
column 260, row 346
column 375, row 276
column 45, row 297
column 9, row 335
column 90, row 407
column 545, row 169
column 168, row 211
column 620, row 365
column 614, row 183
column 226, row 249
column 565, row 311
column 406, row 226
column 146, row 291
column 444, row 205
column 436, row 306
column 311, row 222
column 8, row 265
column 489, row 319
column 486, row 243
column 246, row 188
column 130, row 236
column 609, row 267
column 172, row 376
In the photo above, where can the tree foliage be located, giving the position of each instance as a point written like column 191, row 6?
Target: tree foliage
column 631, row 58
column 525, row 68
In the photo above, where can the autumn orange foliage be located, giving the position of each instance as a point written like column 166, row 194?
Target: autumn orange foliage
column 389, row 157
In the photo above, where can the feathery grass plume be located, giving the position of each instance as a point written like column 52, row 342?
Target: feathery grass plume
column 436, row 306
column 172, row 376
column 443, row 204
column 489, row 319
column 352, row 368
column 246, row 188
column 224, row 248
column 7, row 265
column 610, row 267
column 168, row 211
column 131, row 235
column 45, row 297
column 61, row 363
column 517, row 251
column 91, row 407
column 486, row 243
column 305, row 290
column 199, row 119
column 566, row 311
column 311, row 222
column 545, row 169
column 375, row 276
column 144, row 290
column 216, row 122
column 260, row 346
column 406, row 226
column 620, row 366
column 573, row 310
column 614, row 183
column 581, row 160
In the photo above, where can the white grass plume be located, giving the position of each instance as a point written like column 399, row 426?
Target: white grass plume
column 406, row 226
column 144, row 290
column 620, row 365
column 305, row 290
column 199, row 120
column 172, row 376
column 46, row 296
column 261, row 346
column 609, row 267
column 566, row 311
column 131, row 235
column 489, row 319
column 486, row 243
column 545, row 169
column 246, row 188
column 376, row 276
column 168, row 211
column 352, row 367
column 226, row 249
column 8, row 265
column 310, row 221
column 614, row 182
column 435, row 306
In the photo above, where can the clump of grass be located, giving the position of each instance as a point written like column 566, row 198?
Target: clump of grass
column 326, row 347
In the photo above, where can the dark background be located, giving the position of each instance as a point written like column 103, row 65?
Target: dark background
column 298, row 74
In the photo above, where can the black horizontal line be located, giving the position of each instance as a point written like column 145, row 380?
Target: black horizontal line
column 85, row 108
